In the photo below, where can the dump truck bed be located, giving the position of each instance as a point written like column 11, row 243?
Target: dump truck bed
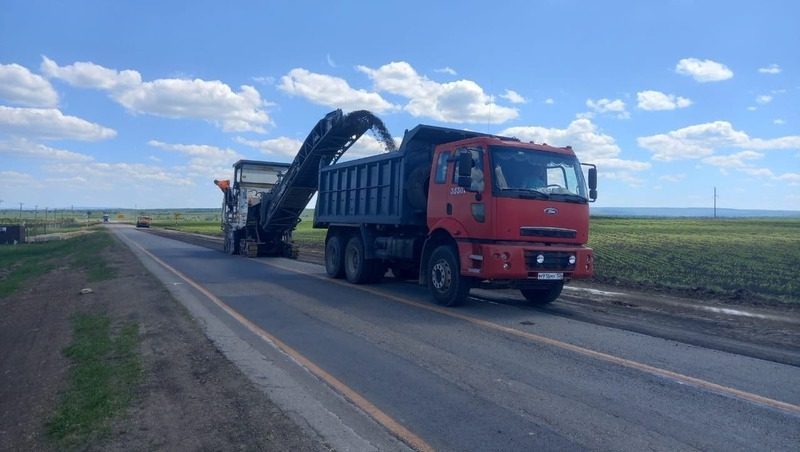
column 389, row 188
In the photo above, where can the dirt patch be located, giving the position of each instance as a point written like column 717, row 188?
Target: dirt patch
column 192, row 397
column 34, row 328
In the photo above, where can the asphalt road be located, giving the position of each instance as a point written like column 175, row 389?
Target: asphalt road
column 386, row 363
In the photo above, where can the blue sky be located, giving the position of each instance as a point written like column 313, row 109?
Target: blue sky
column 145, row 103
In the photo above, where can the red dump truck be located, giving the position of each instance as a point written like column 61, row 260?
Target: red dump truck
column 451, row 208
column 458, row 209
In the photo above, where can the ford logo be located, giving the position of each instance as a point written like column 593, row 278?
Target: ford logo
column 551, row 211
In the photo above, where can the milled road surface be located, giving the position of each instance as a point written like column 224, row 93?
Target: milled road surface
column 381, row 362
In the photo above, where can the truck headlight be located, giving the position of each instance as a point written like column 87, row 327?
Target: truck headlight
column 572, row 259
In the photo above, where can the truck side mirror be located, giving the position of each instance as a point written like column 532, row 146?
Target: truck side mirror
column 464, row 167
column 593, row 183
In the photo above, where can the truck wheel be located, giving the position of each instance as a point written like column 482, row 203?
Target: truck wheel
column 334, row 256
column 543, row 296
column 356, row 268
column 447, row 285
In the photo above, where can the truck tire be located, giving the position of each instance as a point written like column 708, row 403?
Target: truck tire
column 358, row 269
column 543, row 295
column 334, row 256
column 447, row 285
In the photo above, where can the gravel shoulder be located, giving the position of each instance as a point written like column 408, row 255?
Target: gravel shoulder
column 191, row 398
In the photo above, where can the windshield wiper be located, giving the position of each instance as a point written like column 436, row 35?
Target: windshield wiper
column 568, row 197
column 528, row 193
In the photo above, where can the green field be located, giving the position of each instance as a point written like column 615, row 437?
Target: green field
column 736, row 258
column 22, row 263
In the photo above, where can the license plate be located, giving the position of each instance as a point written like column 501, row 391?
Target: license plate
column 551, row 276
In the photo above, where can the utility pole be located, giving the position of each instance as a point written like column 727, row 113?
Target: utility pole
column 20, row 212
column 715, row 203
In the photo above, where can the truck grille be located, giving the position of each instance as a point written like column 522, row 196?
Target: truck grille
column 547, row 232
column 553, row 260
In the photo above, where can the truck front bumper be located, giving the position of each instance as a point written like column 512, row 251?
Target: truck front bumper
column 529, row 262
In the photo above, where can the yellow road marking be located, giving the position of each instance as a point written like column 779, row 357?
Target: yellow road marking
column 681, row 378
column 384, row 419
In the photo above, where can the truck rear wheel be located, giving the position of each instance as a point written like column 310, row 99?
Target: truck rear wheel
column 447, row 285
column 544, row 295
column 334, row 256
column 358, row 269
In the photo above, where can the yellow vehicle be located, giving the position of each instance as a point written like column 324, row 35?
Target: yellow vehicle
column 143, row 221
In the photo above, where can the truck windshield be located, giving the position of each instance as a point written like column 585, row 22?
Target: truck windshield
column 522, row 173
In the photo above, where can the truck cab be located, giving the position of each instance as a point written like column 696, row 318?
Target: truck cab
column 517, row 212
column 252, row 185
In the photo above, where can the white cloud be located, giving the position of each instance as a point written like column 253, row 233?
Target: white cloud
column 763, row 99
column 275, row 146
column 212, row 101
column 458, row 101
column 672, row 177
column 110, row 176
column 656, row 100
column 771, row 69
column 331, row 92
column 702, row 140
column 792, row 178
column 20, row 86
column 446, row 70
column 23, row 148
column 703, row 70
column 778, row 121
column 752, row 108
column 204, row 160
column 17, row 179
column 264, row 80
column 50, row 124
column 608, row 106
column 514, row 97
column 589, row 144
column 737, row 160
column 89, row 75
column 549, row 101
column 767, row 175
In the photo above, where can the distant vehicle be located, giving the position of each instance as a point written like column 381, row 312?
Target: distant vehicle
column 143, row 221
column 452, row 208
column 105, row 218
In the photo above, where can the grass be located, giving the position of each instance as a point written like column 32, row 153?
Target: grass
column 197, row 227
column 25, row 262
column 105, row 371
column 105, row 365
column 305, row 234
column 741, row 257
